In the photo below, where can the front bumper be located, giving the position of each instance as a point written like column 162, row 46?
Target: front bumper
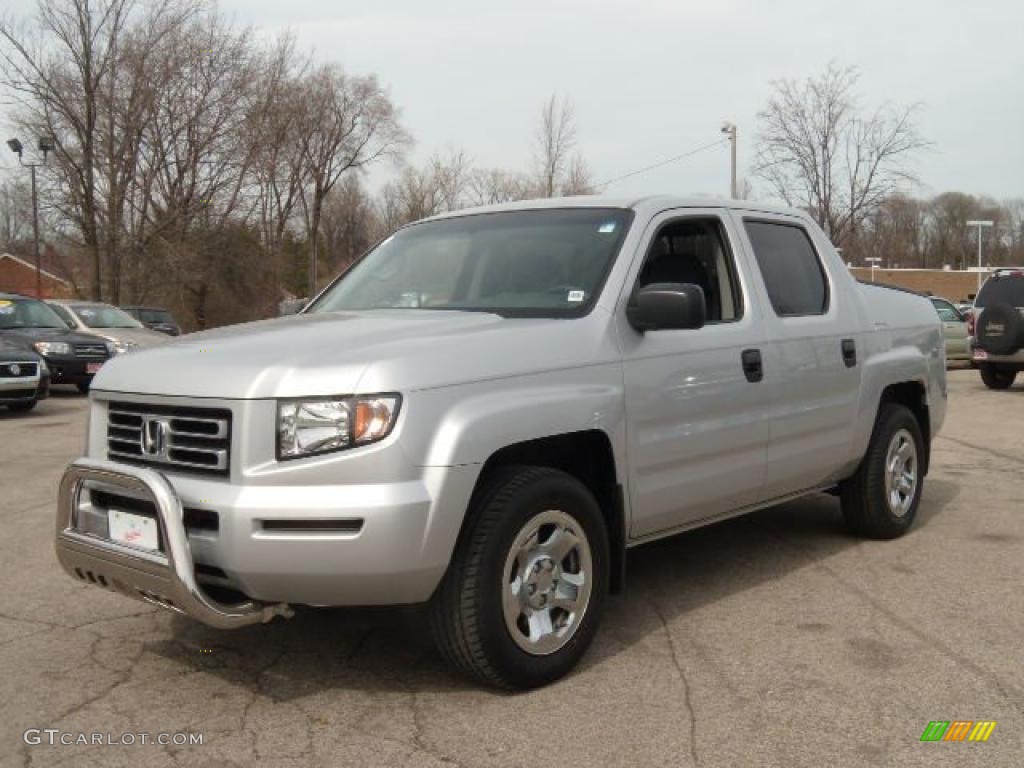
column 346, row 544
column 165, row 578
column 23, row 388
column 71, row 370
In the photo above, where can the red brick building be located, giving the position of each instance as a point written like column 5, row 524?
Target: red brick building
column 19, row 276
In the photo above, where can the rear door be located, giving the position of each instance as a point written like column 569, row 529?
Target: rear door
column 814, row 332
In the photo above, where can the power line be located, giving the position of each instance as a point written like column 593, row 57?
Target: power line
column 677, row 158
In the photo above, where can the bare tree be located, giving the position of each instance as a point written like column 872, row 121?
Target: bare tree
column 488, row 186
column 350, row 124
column 555, row 140
column 817, row 149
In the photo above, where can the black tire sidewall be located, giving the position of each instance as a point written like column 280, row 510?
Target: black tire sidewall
column 554, row 490
column 997, row 377
column 894, row 418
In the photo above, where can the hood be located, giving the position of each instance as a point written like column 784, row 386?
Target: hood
column 28, row 336
column 12, row 350
column 142, row 337
column 335, row 353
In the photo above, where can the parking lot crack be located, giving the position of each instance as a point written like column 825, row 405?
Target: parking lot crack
column 984, row 449
column 674, row 655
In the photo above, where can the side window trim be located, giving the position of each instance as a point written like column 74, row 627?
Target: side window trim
column 825, row 277
column 729, row 255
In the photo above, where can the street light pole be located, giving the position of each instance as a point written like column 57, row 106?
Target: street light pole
column 45, row 146
column 980, row 224
column 730, row 130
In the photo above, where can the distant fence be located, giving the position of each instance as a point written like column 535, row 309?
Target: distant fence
column 955, row 285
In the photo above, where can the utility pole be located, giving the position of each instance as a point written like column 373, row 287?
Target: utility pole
column 46, row 145
column 980, row 225
column 730, row 130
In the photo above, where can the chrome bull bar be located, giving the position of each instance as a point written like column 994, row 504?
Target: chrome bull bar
column 165, row 578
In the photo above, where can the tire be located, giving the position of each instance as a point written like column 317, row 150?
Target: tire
column 83, row 387
column 867, row 504
column 478, row 617
column 22, row 407
column 1000, row 329
column 996, row 377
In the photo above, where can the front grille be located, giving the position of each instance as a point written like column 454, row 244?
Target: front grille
column 17, row 370
column 188, row 439
column 91, row 351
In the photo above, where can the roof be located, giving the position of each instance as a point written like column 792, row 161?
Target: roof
column 31, row 266
column 650, row 204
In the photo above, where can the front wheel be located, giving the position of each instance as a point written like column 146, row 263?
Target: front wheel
column 880, row 500
column 525, row 590
column 995, row 377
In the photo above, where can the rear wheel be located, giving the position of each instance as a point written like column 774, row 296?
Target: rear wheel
column 22, row 407
column 996, row 377
column 526, row 587
column 83, row 387
column 880, row 500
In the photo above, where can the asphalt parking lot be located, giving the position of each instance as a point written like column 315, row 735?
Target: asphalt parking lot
column 774, row 639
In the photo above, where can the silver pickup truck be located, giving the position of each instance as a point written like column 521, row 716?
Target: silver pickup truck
column 490, row 407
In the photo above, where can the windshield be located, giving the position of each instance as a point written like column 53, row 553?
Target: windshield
column 28, row 313
column 1002, row 289
column 543, row 263
column 104, row 316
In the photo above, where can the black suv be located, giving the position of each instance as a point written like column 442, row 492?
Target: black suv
column 998, row 325
column 156, row 319
column 72, row 357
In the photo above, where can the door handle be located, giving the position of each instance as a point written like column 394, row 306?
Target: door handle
column 752, row 366
column 849, row 347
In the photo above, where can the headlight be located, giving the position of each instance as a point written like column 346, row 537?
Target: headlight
column 309, row 427
column 120, row 347
column 52, row 348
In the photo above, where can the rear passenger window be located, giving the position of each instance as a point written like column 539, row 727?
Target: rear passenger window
column 790, row 266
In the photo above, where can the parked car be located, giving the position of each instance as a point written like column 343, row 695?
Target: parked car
column 24, row 377
column 999, row 328
column 112, row 324
column 72, row 357
column 156, row 319
column 489, row 408
column 954, row 330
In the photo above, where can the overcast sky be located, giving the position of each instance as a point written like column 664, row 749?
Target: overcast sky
column 651, row 79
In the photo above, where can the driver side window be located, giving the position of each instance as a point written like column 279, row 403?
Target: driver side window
column 694, row 250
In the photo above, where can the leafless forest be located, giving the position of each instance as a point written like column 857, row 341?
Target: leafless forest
column 200, row 167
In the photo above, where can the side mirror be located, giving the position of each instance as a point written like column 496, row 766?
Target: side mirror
column 667, row 306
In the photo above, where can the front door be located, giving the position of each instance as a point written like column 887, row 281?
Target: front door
column 697, row 419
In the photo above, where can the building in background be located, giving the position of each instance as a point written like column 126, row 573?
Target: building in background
column 19, row 276
column 953, row 284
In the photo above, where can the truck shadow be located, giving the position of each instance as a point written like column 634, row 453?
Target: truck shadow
column 389, row 650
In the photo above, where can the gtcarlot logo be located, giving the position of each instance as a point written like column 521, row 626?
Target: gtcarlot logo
column 56, row 737
column 958, row 730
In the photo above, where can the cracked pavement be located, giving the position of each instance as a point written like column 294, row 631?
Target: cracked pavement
column 774, row 639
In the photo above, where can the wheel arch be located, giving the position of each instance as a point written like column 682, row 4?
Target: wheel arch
column 586, row 455
column 912, row 395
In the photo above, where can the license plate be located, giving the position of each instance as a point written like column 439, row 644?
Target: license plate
column 133, row 530
column 980, row 354
column 92, row 367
